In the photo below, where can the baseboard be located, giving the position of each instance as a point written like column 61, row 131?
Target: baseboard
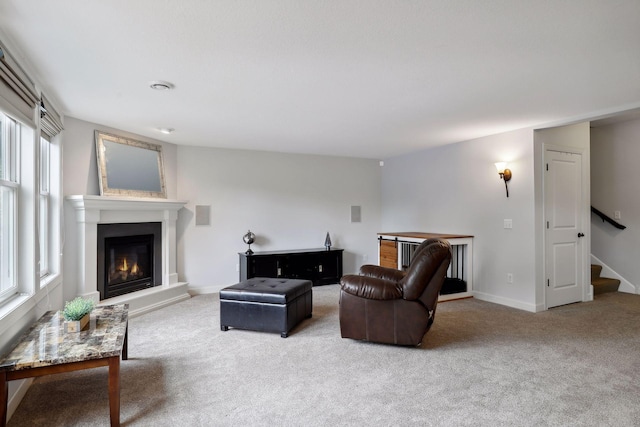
column 205, row 290
column 625, row 285
column 508, row 302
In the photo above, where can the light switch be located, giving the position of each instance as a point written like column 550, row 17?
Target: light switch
column 508, row 223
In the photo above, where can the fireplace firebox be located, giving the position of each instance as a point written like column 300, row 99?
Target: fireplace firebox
column 129, row 258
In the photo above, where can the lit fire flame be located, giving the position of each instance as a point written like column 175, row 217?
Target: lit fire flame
column 124, row 272
column 125, row 267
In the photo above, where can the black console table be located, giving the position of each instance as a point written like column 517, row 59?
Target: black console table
column 321, row 266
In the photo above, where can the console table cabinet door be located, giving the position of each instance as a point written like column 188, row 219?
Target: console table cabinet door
column 264, row 267
column 328, row 268
column 321, row 266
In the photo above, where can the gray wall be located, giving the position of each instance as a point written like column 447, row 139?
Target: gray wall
column 615, row 150
column 290, row 201
column 456, row 189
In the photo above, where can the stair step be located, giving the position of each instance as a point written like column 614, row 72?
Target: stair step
column 595, row 271
column 604, row 284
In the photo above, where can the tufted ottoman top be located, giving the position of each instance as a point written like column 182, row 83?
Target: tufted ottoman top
column 266, row 290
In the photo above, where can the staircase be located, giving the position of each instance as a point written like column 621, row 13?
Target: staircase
column 602, row 284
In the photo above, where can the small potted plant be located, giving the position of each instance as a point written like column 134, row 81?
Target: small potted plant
column 77, row 314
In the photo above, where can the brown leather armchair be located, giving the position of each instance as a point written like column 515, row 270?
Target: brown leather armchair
column 392, row 306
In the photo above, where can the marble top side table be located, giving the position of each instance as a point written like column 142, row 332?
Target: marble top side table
column 47, row 349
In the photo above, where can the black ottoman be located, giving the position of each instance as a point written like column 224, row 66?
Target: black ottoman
column 265, row 304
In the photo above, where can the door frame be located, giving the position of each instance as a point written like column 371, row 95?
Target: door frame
column 587, row 288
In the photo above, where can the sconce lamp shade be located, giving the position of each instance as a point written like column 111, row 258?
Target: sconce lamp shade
column 504, row 173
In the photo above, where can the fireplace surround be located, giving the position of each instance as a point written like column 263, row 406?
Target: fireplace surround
column 91, row 211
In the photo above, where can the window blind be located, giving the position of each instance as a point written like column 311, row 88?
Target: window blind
column 16, row 88
column 50, row 121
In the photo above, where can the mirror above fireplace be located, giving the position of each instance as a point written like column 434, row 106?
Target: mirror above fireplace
column 129, row 168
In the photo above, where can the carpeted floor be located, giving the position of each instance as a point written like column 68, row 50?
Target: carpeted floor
column 480, row 365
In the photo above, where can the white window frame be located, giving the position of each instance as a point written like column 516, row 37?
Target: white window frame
column 44, row 206
column 11, row 134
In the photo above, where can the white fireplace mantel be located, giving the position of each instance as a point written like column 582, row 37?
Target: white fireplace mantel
column 94, row 210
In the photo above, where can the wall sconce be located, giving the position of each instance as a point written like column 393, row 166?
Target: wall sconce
column 504, row 173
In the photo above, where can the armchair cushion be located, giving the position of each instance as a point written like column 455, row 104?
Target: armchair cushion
column 370, row 287
column 430, row 262
column 382, row 272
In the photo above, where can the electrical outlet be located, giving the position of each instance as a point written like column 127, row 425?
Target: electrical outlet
column 616, row 215
column 509, row 278
column 508, row 223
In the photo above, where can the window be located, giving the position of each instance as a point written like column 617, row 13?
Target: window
column 44, row 236
column 49, row 193
column 30, row 189
column 9, row 187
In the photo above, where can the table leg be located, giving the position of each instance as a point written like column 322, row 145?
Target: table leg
column 125, row 344
column 114, row 390
column 4, row 397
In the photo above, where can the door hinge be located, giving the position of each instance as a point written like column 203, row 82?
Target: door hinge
column 547, row 166
column 547, row 282
column 547, row 225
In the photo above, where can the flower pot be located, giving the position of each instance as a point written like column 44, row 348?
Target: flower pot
column 77, row 325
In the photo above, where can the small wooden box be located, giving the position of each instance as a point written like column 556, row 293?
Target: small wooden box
column 77, row 325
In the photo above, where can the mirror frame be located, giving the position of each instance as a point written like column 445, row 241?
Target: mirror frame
column 128, row 190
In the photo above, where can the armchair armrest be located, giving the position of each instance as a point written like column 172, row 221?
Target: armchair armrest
column 370, row 287
column 385, row 273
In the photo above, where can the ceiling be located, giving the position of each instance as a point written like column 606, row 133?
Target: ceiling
column 361, row 78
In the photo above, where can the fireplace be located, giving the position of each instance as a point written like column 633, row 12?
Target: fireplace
column 93, row 211
column 129, row 258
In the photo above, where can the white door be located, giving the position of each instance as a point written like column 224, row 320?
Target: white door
column 564, row 227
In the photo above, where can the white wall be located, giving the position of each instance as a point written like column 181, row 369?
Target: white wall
column 80, row 176
column 289, row 201
column 456, row 189
column 615, row 150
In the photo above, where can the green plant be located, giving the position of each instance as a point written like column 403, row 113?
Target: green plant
column 76, row 309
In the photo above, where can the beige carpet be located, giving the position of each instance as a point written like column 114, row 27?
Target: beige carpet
column 480, row 365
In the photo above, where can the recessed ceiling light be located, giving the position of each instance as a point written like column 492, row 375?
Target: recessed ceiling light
column 166, row 131
column 161, row 85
